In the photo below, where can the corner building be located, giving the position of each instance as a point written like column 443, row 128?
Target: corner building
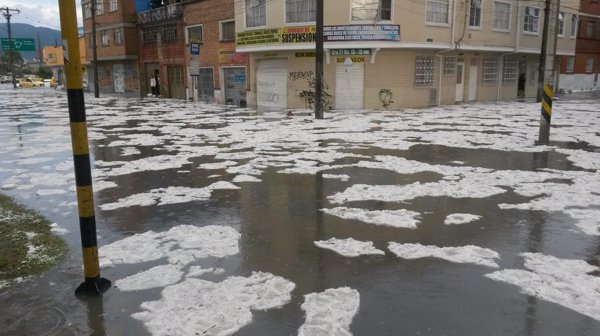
column 394, row 53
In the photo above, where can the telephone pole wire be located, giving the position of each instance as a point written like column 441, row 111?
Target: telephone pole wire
column 6, row 12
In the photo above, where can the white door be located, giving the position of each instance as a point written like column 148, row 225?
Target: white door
column 460, row 82
column 473, row 82
column 349, row 86
column 118, row 78
column 271, row 83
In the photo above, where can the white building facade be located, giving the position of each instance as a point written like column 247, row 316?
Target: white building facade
column 393, row 53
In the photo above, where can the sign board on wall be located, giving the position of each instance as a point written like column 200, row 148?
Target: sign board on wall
column 18, row 44
column 370, row 32
column 355, row 59
column 227, row 56
column 349, row 52
column 287, row 35
column 194, row 48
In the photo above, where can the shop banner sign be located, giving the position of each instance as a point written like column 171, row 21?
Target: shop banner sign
column 287, row 35
column 350, row 33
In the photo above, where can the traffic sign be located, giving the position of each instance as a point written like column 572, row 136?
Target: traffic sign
column 19, row 44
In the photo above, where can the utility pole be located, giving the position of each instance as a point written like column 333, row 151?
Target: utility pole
column 11, row 55
column 545, row 91
column 40, row 53
column 543, row 51
column 93, row 283
column 319, row 62
column 95, row 50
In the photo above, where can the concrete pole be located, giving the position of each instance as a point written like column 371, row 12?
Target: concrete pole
column 93, row 283
column 11, row 56
column 319, row 62
column 95, row 50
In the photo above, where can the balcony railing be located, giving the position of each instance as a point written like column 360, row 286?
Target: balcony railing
column 161, row 14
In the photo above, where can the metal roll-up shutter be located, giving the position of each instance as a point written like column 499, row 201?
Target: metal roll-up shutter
column 271, row 83
column 349, row 86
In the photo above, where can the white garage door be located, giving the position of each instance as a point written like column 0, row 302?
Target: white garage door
column 349, row 86
column 271, row 83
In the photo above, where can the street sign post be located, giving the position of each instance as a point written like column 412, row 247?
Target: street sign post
column 19, row 44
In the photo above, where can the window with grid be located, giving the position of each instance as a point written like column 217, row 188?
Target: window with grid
column 228, row 30
column 87, row 11
column 449, row 65
column 561, row 24
column 193, row 34
column 437, row 11
column 510, row 71
column 149, row 36
column 591, row 29
column 256, row 13
column 475, row 13
column 113, row 5
column 571, row 64
column 99, row 7
column 371, row 10
column 531, row 20
column 424, row 71
column 105, row 38
column 169, row 33
column 118, row 35
column 501, row 15
column 573, row 25
column 490, row 71
column 589, row 65
column 300, row 11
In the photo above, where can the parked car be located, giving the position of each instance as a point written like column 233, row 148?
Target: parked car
column 5, row 79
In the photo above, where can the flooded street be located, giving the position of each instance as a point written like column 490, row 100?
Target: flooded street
column 220, row 220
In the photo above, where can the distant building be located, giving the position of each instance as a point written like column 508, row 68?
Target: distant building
column 162, row 49
column 581, row 71
column 116, row 44
column 53, row 57
column 217, row 73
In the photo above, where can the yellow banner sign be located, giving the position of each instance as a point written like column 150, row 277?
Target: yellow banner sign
column 287, row 35
column 342, row 60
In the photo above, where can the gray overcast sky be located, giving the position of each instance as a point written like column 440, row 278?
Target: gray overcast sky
column 37, row 12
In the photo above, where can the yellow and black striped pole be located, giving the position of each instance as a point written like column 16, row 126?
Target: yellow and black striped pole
column 547, row 96
column 93, row 283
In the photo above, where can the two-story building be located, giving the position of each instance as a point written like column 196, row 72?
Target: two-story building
column 54, row 58
column 217, row 73
column 394, row 53
column 581, row 71
column 116, row 45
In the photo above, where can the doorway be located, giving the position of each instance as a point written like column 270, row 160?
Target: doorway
column 460, row 82
column 473, row 76
column 118, row 78
column 522, row 81
column 349, row 86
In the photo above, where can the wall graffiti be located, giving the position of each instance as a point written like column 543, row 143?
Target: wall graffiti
column 309, row 94
column 385, row 97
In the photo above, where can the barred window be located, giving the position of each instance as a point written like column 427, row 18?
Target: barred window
column 561, row 24
column 424, row 71
column 449, row 65
column 300, row 11
column 228, row 30
column 501, row 15
column 490, row 71
column 99, row 7
column 475, row 13
column 118, row 34
column 437, row 11
column 105, row 38
column 531, row 20
column 113, row 5
column 193, row 34
column 256, row 13
column 149, row 36
column 510, row 71
column 169, row 33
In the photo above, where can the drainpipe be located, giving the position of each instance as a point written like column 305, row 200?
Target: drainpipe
column 439, row 54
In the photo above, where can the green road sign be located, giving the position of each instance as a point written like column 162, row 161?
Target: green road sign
column 19, row 44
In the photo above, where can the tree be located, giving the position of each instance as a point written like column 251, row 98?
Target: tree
column 5, row 67
column 44, row 72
